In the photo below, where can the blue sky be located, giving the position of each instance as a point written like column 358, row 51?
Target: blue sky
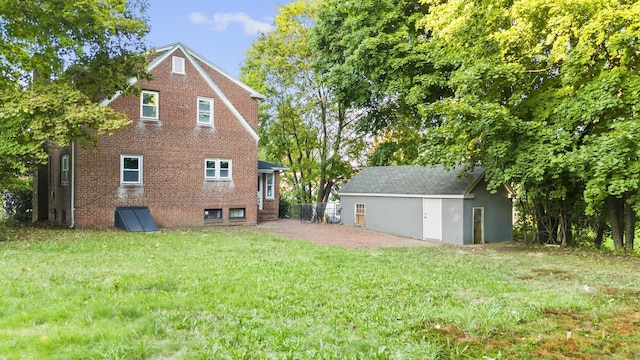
column 219, row 30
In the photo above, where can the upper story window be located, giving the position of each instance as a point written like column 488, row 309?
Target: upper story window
column 205, row 111
column 131, row 169
column 217, row 169
column 177, row 63
column 269, row 188
column 64, row 170
column 149, row 104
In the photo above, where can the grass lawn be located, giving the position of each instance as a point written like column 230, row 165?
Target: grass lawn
column 235, row 294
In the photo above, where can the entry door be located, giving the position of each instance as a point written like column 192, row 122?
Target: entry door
column 432, row 219
column 260, row 206
column 478, row 225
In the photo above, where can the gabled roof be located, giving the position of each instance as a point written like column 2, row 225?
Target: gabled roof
column 269, row 167
column 162, row 53
column 412, row 181
column 165, row 51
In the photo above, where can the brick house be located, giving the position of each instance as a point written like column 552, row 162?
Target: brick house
column 190, row 154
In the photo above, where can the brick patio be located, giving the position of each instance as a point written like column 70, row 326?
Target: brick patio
column 338, row 235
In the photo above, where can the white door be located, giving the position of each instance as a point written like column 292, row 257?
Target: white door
column 432, row 219
column 260, row 192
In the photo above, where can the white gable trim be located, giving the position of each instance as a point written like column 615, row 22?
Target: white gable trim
column 419, row 196
column 134, row 80
column 186, row 50
column 474, row 183
column 223, row 97
column 253, row 93
column 170, row 49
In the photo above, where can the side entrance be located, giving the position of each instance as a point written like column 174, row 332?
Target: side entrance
column 432, row 219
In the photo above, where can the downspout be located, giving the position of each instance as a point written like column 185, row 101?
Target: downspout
column 73, row 185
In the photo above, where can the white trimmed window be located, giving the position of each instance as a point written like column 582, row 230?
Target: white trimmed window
column 149, row 105
column 177, row 65
column 217, row 169
column 360, row 214
column 205, row 111
column 64, row 170
column 131, row 169
column 269, row 188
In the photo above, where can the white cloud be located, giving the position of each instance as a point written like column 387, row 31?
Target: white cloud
column 199, row 18
column 221, row 21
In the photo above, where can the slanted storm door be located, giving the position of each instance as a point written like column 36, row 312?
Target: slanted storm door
column 478, row 225
column 359, row 216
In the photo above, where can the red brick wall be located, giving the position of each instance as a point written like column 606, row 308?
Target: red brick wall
column 173, row 150
column 59, row 196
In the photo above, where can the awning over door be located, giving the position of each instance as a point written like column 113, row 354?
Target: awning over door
column 134, row 218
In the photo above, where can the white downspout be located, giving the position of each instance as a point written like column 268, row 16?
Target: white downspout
column 73, row 184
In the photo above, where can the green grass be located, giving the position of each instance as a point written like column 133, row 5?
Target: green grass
column 235, row 294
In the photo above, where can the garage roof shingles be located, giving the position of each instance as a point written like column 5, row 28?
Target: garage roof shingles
column 411, row 180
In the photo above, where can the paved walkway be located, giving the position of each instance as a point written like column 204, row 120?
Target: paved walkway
column 336, row 234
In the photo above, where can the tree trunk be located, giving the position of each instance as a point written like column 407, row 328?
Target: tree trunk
column 554, row 224
column 602, row 223
column 567, row 233
column 616, row 209
column 543, row 230
column 629, row 227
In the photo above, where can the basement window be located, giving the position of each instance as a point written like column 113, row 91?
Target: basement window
column 237, row 214
column 213, row 214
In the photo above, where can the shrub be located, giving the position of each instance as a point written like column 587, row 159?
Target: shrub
column 284, row 208
column 17, row 200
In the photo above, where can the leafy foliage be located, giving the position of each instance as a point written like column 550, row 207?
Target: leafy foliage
column 16, row 200
column 542, row 95
column 59, row 58
column 303, row 125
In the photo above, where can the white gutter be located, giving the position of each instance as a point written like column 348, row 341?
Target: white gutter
column 422, row 196
column 73, row 184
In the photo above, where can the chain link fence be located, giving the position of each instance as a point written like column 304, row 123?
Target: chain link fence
column 326, row 213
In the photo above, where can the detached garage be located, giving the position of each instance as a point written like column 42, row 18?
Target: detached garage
column 428, row 203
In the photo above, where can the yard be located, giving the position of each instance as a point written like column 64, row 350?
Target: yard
column 239, row 294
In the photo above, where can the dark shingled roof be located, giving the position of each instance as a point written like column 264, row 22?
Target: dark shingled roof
column 411, row 180
column 263, row 165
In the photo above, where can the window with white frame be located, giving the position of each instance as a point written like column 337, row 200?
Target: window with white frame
column 64, row 170
column 217, row 169
column 269, row 188
column 205, row 111
column 149, row 104
column 177, row 63
column 131, row 169
column 359, row 215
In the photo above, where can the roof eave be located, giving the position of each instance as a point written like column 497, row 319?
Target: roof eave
column 421, row 196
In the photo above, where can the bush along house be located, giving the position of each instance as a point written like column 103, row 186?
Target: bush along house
column 188, row 158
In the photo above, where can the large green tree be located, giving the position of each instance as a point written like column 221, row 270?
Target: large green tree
column 58, row 59
column 303, row 126
column 542, row 94
column 374, row 57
